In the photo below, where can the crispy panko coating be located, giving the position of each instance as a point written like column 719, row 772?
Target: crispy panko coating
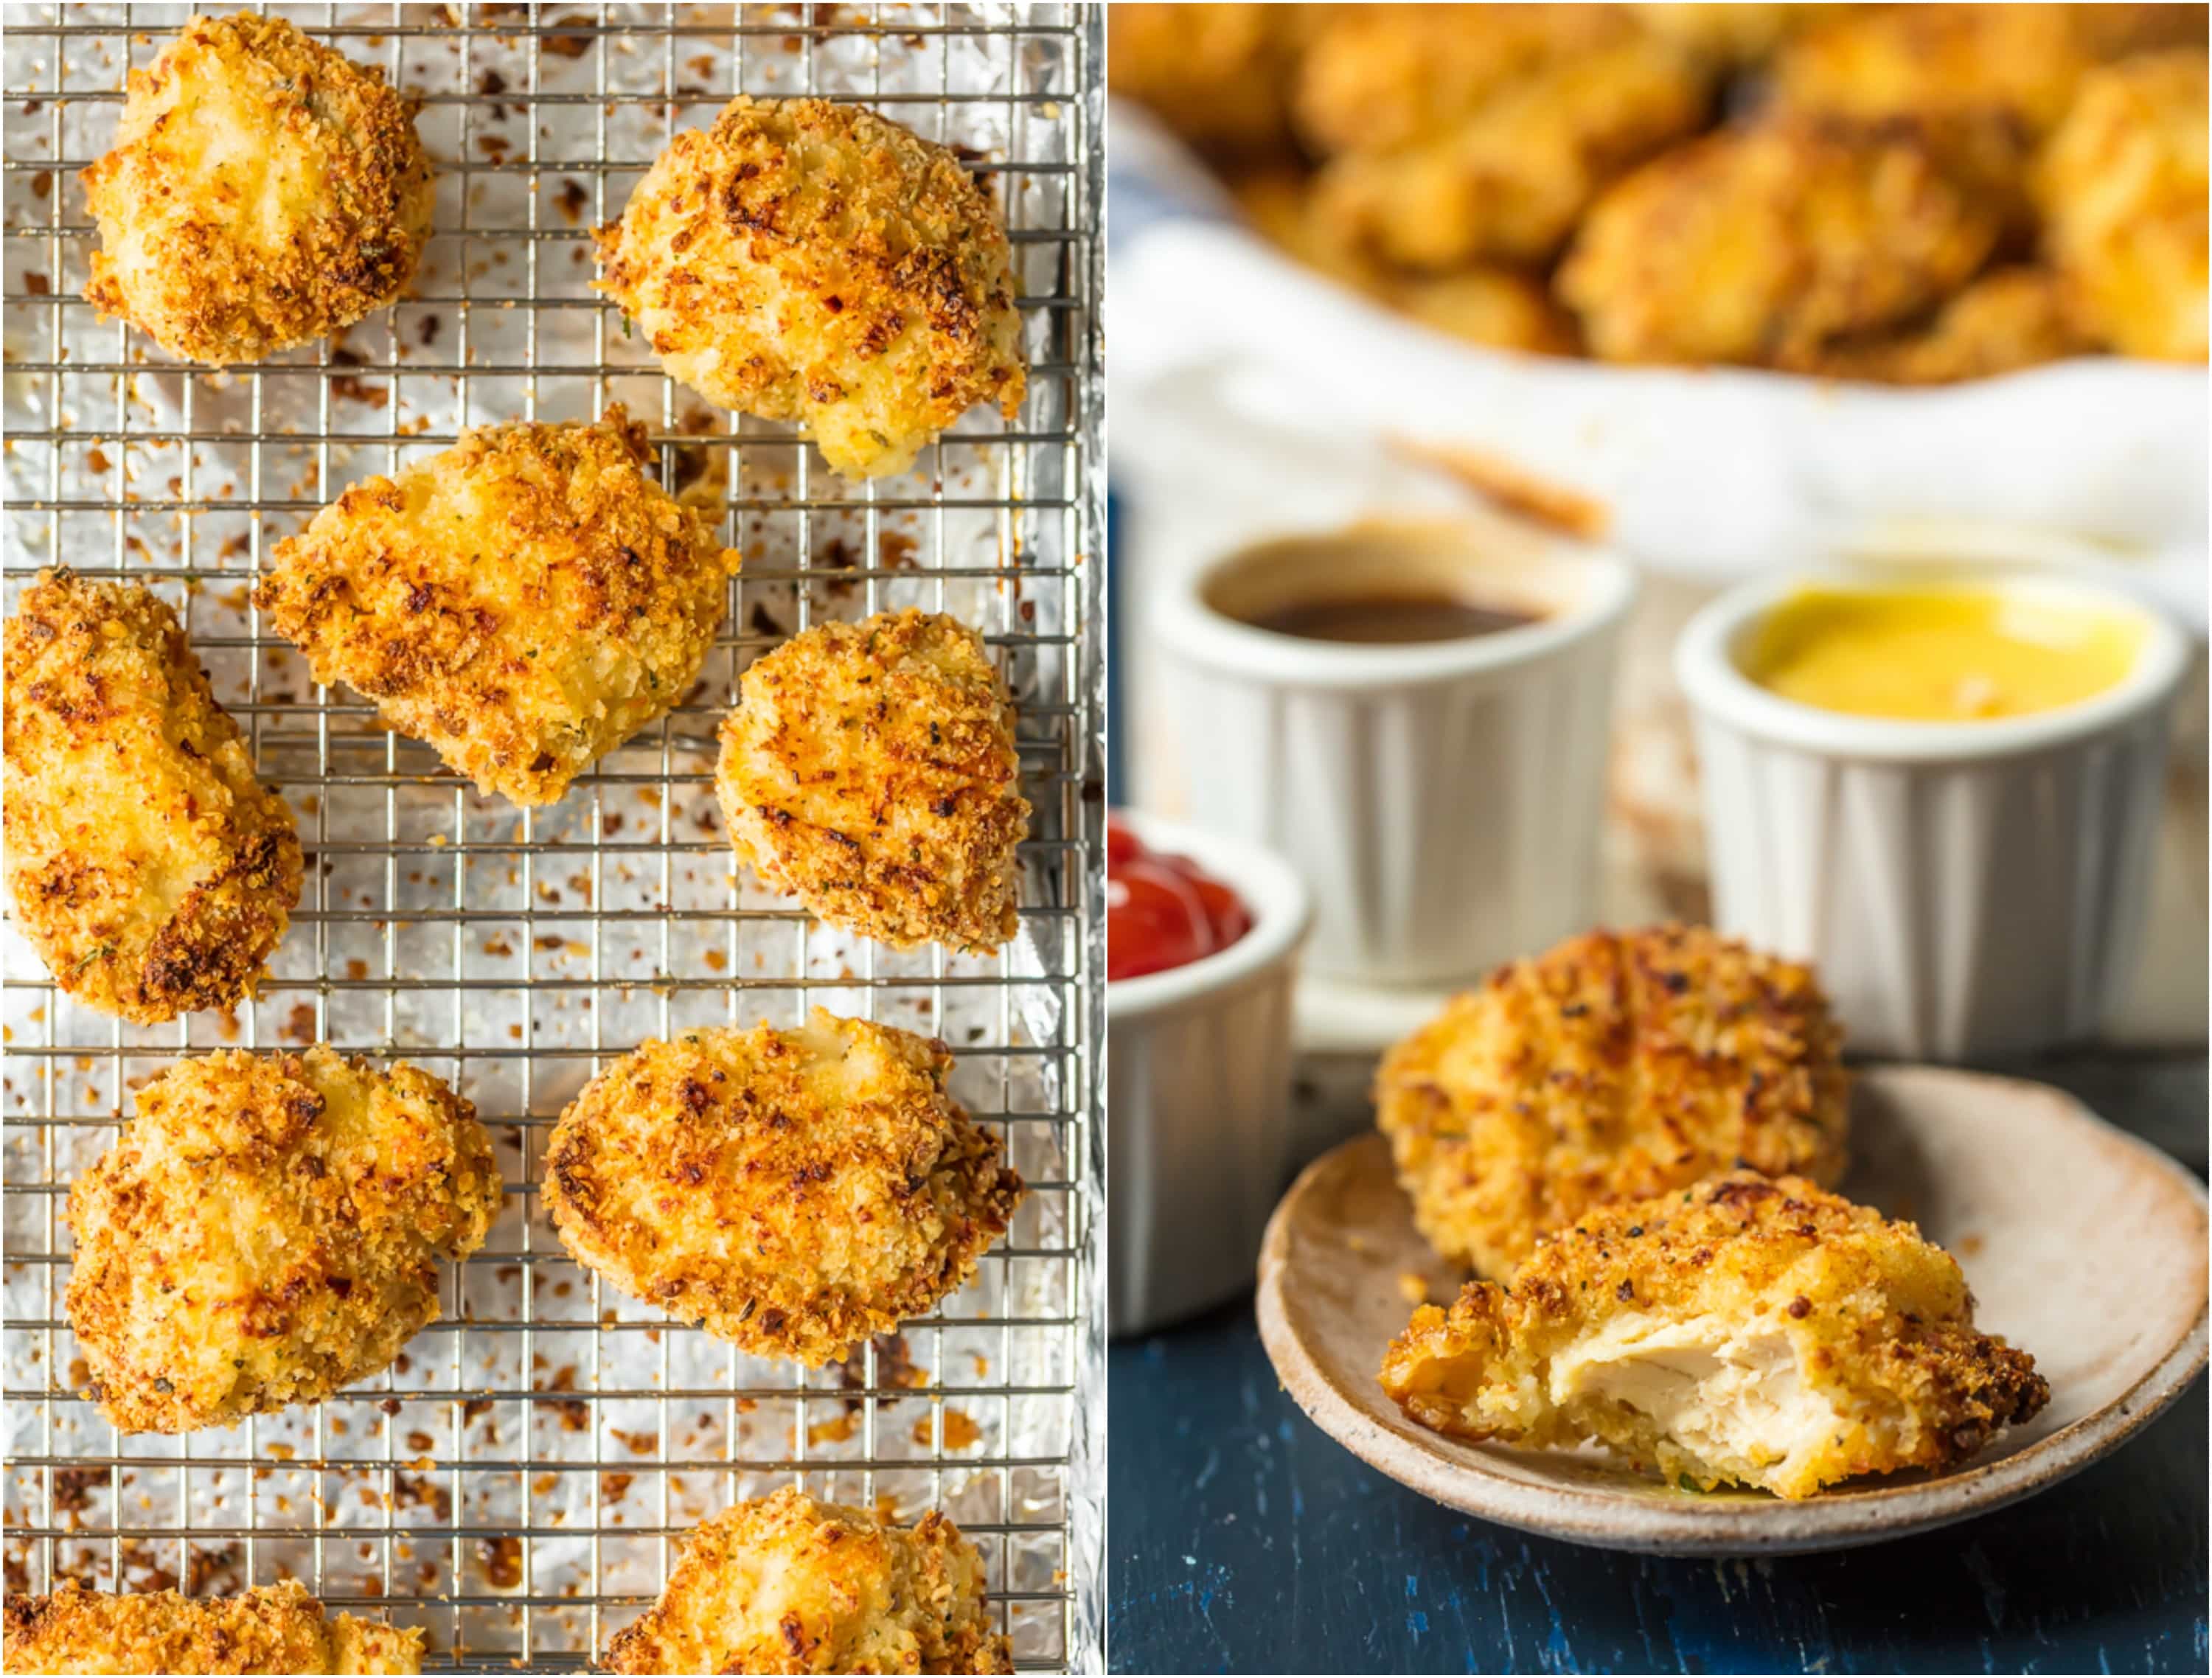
column 268, row 1230
column 264, row 190
column 525, row 601
column 271, row 1628
column 150, row 870
column 2124, row 185
column 1376, row 77
column 793, row 1191
column 1744, row 1331
column 819, row 263
column 1510, row 182
column 1769, row 244
column 869, row 770
column 1612, row 1066
column 784, row 1583
column 1218, row 75
column 2008, row 319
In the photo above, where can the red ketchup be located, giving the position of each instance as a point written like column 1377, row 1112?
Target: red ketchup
column 1163, row 911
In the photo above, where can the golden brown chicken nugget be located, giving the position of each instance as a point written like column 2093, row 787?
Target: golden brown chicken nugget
column 817, row 263
column 263, row 190
column 1499, row 308
column 1509, row 183
column 270, row 1628
column 2123, row 184
column 151, row 871
column 267, row 1230
column 869, row 769
column 523, row 602
column 793, row 1191
column 784, row 1583
column 1768, row 244
column 1734, row 32
column 1615, row 1064
column 1218, row 75
column 1743, row 1331
column 2008, row 319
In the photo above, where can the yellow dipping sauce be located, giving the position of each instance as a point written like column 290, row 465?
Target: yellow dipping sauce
column 1941, row 655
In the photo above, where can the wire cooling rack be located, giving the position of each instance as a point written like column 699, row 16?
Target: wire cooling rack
column 518, row 1482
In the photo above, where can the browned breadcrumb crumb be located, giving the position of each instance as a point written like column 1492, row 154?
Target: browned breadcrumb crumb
column 271, row 1628
column 869, row 769
column 793, row 1191
column 264, row 190
column 1613, row 1066
column 153, row 873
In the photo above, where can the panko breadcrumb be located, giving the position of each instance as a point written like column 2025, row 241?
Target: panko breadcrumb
column 1510, row 182
column 1743, row 1331
column 1770, row 245
column 267, row 1230
column 819, row 263
column 869, row 769
column 1613, row 1067
column 264, row 190
column 525, row 601
column 785, row 1583
column 2123, row 185
column 793, row 1191
column 271, row 1628
column 151, row 871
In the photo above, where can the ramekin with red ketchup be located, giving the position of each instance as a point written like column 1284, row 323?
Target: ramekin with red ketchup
column 1203, row 935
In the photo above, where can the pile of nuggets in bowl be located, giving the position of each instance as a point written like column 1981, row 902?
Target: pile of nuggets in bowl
column 1634, row 1141
column 1903, row 194
column 271, row 1229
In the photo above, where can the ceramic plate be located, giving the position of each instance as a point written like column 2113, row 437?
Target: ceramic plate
column 2083, row 1245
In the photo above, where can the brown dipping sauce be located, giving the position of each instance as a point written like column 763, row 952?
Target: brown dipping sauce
column 1386, row 619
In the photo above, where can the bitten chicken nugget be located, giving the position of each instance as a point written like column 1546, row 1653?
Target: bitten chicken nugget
column 1613, row 1067
column 806, row 261
column 524, row 602
column 271, row 1628
column 1743, row 1331
column 2008, row 319
column 784, row 1583
column 1769, row 244
column 150, row 870
column 1510, row 182
column 869, row 769
column 794, row 1191
column 263, row 190
column 1217, row 75
column 2124, row 185
column 267, row 1230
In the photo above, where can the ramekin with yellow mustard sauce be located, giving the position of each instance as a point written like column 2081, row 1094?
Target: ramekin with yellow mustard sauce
column 1943, row 790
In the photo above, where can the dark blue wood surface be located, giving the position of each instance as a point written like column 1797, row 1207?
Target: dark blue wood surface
column 1242, row 1539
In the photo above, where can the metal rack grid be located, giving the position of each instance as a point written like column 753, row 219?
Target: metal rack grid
column 518, row 1482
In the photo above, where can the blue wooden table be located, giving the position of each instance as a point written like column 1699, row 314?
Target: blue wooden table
column 1245, row 1539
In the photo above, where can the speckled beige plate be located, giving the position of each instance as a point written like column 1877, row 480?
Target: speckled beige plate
column 2082, row 1244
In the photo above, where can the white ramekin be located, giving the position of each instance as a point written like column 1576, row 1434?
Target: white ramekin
column 1442, row 800
column 1966, row 891
column 1197, row 1092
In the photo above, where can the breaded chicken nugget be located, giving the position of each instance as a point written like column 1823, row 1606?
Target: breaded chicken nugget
column 1770, row 244
column 1376, row 77
column 2008, row 319
column 1499, row 308
column 869, row 770
column 271, row 1628
column 150, row 869
column 524, row 602
column 1734, row 32
column 1613, row 1066
column 267, row 1231
column 2123, row 185
column 1217, row 75
column 806, row 261
column 795, row 1191
column 784, row 1583
column 1744, row 1331
column 263, row 190
column 1509, row 182
column 2018, row 64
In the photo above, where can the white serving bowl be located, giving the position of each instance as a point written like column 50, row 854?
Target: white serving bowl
column 1198, row 1093
column 1967, row 890
column 1442, row 799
